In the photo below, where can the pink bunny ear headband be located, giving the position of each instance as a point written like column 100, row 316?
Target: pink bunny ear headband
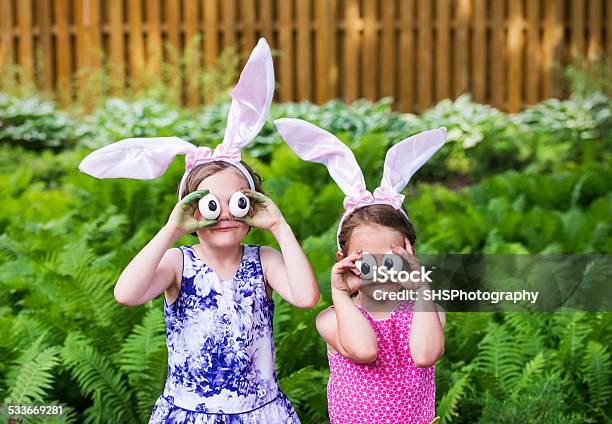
column 314, row 144
column 149, row 158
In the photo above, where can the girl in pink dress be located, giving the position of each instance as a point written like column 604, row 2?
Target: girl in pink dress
column 382, row 351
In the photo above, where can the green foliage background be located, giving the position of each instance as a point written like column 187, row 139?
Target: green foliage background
column 535, row 182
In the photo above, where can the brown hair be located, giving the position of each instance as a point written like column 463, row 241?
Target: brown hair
column 385, row 215
column 205, row 170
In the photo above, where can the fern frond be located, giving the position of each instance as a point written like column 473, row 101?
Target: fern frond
column 532, row 370
column 144, row 358
column 146, row 338
column 499, row 356
column 97, row 378
column 299, row 386
column 34, row 377
column 448, row 405
column 595, row 371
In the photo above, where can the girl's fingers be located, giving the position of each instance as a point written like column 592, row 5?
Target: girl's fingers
column 246, row 219
column 205, row 223
column 195, row 195
column 255, row 195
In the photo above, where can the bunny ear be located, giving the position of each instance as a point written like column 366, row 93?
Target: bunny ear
column 251, row 99
column 405, row 158
column 137, row 158
column 314, row 144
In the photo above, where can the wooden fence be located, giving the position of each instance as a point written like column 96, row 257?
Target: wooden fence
column 505, row 52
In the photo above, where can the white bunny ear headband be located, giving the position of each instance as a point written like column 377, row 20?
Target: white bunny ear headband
column 149, row 158
column 314, row 144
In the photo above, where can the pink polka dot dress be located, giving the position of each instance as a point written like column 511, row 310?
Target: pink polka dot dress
column 389, row 390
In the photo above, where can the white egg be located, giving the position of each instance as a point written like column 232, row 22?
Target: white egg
column 209, row 206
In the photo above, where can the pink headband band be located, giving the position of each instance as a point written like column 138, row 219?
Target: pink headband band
column 314, row 144
column 149, row 158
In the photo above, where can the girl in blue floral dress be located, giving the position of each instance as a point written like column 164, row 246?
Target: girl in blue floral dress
column 218, row 306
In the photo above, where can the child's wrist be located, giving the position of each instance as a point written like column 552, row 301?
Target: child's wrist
column 173, row 233
column 280, row 229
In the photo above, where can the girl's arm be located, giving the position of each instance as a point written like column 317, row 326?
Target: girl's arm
column 289, row 272
column 155, row 268
column 343, row 326
column 428, row 320
column 427, row 333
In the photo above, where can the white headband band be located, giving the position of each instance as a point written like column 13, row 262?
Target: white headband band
column 240, row 167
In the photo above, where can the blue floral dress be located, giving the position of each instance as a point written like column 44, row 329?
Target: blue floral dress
column 221, row 357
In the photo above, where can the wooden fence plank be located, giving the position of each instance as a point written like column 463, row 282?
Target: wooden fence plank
column 94, row 21
column 26, row 50
column 609, row 28
column 595, row 45
column 442, row 50
column 515, row 56
column 370, row 49
column 351, row 51
column 479, row 50
column 533, row 66
column 552, row 39
column 387, row 60
column 173, row 24
column 304, row 51
column 424, row 56
column 44, row 16
column 154, row 38
column 64, row 57
column 496, row 54
column 461, row 48
column 322, row 52
column 116, row 46
column 247, row 9
column 229, row 24
column 406, row 56
column 6, row 34
column 265, row 20
column 285, row 41
column 192, row 64
column 211, row 31
column 136, row 42
column 577, row 44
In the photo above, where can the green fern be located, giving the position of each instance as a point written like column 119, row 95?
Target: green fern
column 33, row 377
column 97, row 378
column 532, row 370
column 306, row 389
column 143, row 358
column 499, row 357
column 595, row 370
column 449, row 404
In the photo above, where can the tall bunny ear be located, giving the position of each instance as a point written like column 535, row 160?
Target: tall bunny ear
column 251, row 100
column 138, row 158
column 314, row 144
column 405, row 158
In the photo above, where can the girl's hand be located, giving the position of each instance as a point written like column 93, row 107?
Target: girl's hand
column 345, row 276
column 412, row 264
column 182, row 220
column 266, row 215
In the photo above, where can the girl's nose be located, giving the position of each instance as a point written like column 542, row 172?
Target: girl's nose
column 225, row 214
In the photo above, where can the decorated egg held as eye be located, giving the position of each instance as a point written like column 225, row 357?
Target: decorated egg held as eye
column 366, row 266
column 239, row 205
column 392, row 261
column 209, row 206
